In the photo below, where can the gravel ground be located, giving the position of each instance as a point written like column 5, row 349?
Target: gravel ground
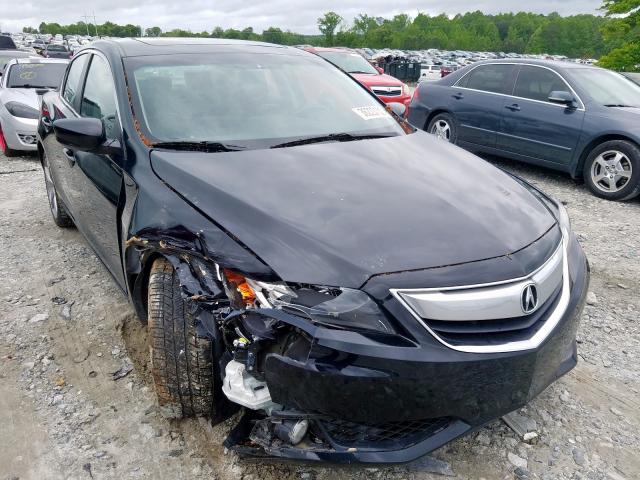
column 67, row 333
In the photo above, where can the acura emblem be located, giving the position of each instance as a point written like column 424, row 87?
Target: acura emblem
column 529, row 300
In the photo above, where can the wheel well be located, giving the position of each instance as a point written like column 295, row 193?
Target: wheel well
column 433, row 114
column 140, row 284
column 40, row 152
column 593, row 144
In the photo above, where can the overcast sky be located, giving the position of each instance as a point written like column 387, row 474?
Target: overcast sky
column 298, row 16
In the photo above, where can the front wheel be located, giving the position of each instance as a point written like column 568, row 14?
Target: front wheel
column 443, row 127
column 181, row 360
column 58, row 210
column 612, row 170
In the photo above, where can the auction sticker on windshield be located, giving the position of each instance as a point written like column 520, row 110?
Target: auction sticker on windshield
column 371, row 112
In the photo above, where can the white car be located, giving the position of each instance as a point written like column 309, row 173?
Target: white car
column 429, row 72
column 19, row 100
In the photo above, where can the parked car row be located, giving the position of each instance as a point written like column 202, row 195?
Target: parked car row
column 23, row 80
column 364, row 291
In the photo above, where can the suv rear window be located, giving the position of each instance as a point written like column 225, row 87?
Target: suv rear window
column 488, row 78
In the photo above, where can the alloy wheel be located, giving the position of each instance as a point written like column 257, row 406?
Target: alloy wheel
column 442, row 130
column 51, row 188
column 611, row 171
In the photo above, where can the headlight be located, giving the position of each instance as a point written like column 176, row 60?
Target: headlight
column 21, row 110
column 345, row 308
column 406, row 91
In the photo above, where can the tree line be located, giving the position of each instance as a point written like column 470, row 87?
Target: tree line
column 612, row 36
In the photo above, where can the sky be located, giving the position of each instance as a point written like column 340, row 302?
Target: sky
column 295, row 15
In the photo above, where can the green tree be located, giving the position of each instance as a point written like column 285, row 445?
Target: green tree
column 153, row 32
column 327, row 26
column 622, row 35
column 273, row 35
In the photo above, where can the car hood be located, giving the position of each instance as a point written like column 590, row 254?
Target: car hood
column 383, row 80
column 338, row 213
column 28, row 96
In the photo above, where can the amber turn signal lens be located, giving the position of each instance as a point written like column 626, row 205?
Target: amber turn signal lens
column 241, row 285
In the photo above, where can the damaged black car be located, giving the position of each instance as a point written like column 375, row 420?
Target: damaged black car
column 351, row 289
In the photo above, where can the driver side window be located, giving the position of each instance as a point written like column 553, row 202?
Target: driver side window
column 99, row 96
column 74, row 77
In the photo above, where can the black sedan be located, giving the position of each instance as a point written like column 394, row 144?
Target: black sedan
column 56, row 51
column 575, row 118
column 633, row 76
column 295, row 252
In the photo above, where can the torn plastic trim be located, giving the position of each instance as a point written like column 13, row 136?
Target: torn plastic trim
column 264, row 445
column 180, row 240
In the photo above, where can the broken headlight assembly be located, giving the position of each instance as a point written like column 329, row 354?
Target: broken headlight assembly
column 337, row 307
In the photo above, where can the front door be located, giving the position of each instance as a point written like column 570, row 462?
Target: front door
column 98, row 177
column 535, row 127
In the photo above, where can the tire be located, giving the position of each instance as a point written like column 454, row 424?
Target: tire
column 612, row 170
column 8, row 152
column 443, row 126
column 58, row 210
column 181, row 361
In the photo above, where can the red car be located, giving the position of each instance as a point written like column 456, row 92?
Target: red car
column 386, row 87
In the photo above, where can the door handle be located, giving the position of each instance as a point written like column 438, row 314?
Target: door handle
column 70, row 156
column 458, row 96
column 514, row 108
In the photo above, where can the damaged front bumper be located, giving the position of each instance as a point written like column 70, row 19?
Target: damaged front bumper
column 371, row 399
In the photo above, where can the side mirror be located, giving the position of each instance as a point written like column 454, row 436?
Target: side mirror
column 398, row 108
column 380, row 70
column 84, row 134
column 561, row 96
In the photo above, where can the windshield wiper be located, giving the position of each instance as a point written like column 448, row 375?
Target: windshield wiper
column 620, row 105
column 360, row 71
column 332, row 137
column 199, row 146
column 28, row 85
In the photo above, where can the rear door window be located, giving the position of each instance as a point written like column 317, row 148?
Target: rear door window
column 536, row 83
column 488, row 78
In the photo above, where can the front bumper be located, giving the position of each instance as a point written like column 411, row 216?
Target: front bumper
column 18, row 130
column 403, row 99
column 363, row 385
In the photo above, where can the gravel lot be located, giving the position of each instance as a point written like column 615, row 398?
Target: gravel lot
column 65, row 329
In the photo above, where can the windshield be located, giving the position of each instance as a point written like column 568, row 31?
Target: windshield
column 36, row 75
column 349, row 62
column 250, row 100
column 606, row 87
column 56, row 48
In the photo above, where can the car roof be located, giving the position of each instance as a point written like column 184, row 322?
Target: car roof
column 131, row 47
column 17, row 53
column 41, row 60
column 553, row 64
column 329, row 49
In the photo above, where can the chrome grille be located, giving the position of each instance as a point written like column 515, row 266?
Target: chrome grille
column 491, row 318
column 383, row 91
